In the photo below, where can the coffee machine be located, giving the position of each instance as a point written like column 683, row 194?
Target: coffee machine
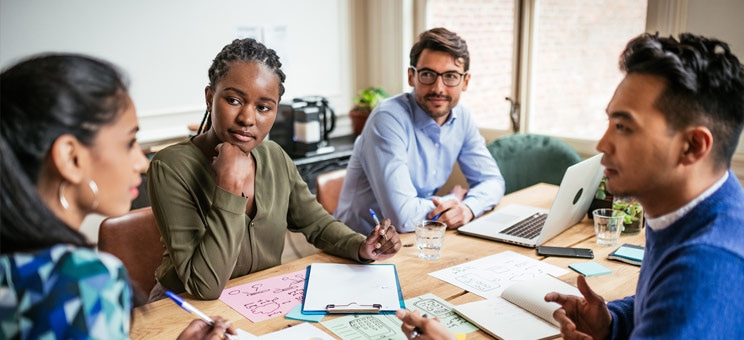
column 302, row 127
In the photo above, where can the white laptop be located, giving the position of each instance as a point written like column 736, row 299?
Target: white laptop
column 531, row 226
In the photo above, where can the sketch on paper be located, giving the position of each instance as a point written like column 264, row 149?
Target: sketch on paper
column 489, row 276
column 264, row 299
column 387, row 326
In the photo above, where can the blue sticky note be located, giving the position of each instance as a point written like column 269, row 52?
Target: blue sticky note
column 296, row 314
column 630, row 253
column 589, row 268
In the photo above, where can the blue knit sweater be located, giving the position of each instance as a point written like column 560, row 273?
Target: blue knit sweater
column 691, row 284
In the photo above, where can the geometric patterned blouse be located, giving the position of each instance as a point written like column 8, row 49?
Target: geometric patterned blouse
column 64, row 292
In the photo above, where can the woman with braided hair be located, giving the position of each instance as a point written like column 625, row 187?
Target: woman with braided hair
column 225, row 198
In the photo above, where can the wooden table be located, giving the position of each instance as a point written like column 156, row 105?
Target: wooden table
column 164, row 319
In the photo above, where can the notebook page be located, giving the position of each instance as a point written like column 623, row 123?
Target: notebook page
column 504, row 320
column 530, row 295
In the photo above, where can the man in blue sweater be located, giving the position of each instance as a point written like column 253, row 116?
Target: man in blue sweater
column 674, row 124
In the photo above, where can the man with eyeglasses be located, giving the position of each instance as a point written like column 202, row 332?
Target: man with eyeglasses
column 411, row 142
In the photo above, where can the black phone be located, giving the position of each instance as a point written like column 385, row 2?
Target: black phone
column 584, row 253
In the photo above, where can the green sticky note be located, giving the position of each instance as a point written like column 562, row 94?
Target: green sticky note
column 589, row 268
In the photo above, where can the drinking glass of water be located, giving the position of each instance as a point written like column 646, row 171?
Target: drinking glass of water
column 608, row 224
column 430, row 238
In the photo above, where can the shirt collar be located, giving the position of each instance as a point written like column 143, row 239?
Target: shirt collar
column 664, row 221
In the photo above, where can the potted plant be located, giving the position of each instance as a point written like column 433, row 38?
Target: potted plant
column 633, row 214
column 364, row 102
column 633, row 210
column 602, row 198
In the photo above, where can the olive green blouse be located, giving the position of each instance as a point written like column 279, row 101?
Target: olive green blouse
column 207, row 234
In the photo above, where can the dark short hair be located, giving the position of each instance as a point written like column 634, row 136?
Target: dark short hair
column 245, row 50
column 42, row 98
column 704, row 85
column 442, row 40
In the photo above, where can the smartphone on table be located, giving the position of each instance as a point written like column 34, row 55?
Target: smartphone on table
column 584, row 253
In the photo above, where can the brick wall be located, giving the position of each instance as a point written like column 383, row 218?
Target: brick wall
column 574, row 69
column 488, row 28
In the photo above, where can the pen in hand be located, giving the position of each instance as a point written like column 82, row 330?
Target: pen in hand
column 188, row 307
column 377, row 222
column 416, row 330
column 374, row 216
column 193, row 310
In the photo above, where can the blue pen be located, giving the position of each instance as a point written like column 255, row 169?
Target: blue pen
column 191, row 309
column 374, row 216
column 436, row 217
column 188, row 307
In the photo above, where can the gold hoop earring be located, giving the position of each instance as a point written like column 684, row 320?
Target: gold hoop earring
column 62, row 199
column 66, row 205
column 94, row 189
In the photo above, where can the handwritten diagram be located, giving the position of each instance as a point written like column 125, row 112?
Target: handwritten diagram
column 372, row 327
column 433, row 306
column 489, row 276
column 268, row 298
column 387, row 326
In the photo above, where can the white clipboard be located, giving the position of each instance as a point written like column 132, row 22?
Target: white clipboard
column 334, row 288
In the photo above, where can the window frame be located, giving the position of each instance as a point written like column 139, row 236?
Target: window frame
column 668, row 17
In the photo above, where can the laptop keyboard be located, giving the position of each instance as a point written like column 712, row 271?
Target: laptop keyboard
column 528, row 228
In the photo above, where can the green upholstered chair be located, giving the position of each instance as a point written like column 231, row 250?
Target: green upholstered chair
column 528, row 159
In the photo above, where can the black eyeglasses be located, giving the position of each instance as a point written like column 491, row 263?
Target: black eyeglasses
column 449, row 78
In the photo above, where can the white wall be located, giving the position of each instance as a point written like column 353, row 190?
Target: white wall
column 167, row 46
column 721, row 19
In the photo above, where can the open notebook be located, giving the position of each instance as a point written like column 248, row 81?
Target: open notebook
column 521, row 312
column 531, row 226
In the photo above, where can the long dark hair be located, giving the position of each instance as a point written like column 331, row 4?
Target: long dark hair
column 42, row 98
column 242, row 50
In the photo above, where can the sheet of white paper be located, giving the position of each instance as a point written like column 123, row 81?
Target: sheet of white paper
column 505, row 320
column 489, row 276
column 351, row 284
column 244, row 335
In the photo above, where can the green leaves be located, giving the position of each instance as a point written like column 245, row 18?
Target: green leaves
column 370, row 97
column 601, row 191
column 633, row 210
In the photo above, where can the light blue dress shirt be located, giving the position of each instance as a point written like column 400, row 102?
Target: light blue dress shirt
column 403, row 157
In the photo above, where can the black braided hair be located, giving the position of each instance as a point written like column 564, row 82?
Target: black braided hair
column 243, row 50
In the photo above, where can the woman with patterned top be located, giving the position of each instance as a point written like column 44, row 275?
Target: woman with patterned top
column 68, row 148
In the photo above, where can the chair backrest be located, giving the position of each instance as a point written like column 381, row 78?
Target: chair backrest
column 135, row 239
column 328, row 188
column 528, row 159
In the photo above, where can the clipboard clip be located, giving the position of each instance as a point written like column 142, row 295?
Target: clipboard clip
column 353, row 307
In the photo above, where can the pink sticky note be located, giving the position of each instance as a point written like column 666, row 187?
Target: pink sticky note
column 265, row 299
